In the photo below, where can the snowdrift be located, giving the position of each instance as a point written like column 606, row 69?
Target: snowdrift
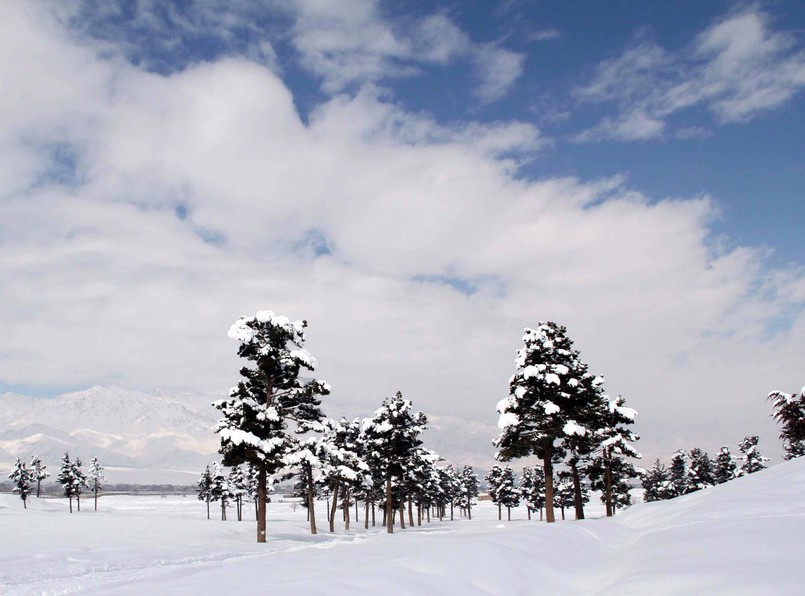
column 744, row 537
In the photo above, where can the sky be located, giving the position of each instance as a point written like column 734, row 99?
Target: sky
column 419, row 181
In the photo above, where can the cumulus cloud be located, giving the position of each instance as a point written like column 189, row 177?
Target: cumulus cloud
column 416, row 251
column 738, row 68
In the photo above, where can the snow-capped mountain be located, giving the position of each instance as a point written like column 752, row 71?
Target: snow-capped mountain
column 160, row 437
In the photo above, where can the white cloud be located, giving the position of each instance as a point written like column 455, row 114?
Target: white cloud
column 738, row 68
column 102, row 282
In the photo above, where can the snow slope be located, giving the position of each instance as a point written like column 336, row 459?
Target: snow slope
column 744, row 537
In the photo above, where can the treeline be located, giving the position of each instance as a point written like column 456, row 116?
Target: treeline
column 72, row 479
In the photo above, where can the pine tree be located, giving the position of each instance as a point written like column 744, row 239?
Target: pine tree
column 789, row 411
column 532, row 489
column 95, row 478
column 655, row 483
column 205, row 488
column 254, row 427
column 220, row 488
column 495, row 478
column 725, row 468
column 21, row 478
column 609, row 471
column 701, row 473
column 508, row 492
column 38, row 472
column 468, row 483
column 451, row 487
column 564, row 496
column 678, row 474
column 391, row 436
column 79, row 481
column 238, row 488
column 66, row 478
column 753, row 461
column 548, row 399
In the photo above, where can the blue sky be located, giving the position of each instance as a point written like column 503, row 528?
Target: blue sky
column 419, row 181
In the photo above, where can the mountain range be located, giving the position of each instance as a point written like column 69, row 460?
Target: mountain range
column 155, row 438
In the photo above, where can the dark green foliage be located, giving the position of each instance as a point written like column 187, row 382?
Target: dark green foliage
column 701, row 472
column 789, row 412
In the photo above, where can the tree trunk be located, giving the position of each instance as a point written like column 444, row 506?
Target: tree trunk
column 402, row 506
column 509, row 513
column 389, row 507
column 563, row 512
column 373, row 514
column 38, row 483
column 240, row 507
column 71, row 504
column 469, row 504
column 366, row 515
column 499, row 512
column 96, row 499
column 223, row 509
column 529, row 513
column 608, row 482
column 346, row 508
column 24, row 503
column 428, row 513
column 577, row 497
column 311, row 499
column 78, row 501
column 333, row 506
column 357, row 519
column 419, row 514
column 547, row 464
column 410, row 513
column 261, row 504
column 208, row 508
column 451, row 510
column 328, row 508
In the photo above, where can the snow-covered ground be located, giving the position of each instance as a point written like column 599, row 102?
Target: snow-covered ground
column 744, row 537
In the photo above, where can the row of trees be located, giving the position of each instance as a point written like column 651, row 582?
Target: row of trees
column 24, row 476
column 74, row 481
column 558, row 411
column 690, row 472
column 273, row 422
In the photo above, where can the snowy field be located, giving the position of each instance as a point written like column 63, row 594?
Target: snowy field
column 745, row 537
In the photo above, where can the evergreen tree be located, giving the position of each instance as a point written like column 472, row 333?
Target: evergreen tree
column 79, row 481
column 508, row 491
column 95, row 478
column 205, row 488
column 548, row 396
column 494, row 479
column 701, row 473
column 725, row 468
column 609, row 471
column 655, row 483
column 532, row 489
column 238, row 488
column 468, row 483
column 254, row 427
column 564, row 496
column 38, row 472
column 391, row 436
column 66, row 478
column 21, row 478
column 789, row 411
column 678, row 474
column 219, row 490
column 753, row 461
column 451, row 487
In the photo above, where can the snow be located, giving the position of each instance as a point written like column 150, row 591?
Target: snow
column 571, row 428
column 740, row 538
column 508, row 419
column 551, row 408
column 553, row 379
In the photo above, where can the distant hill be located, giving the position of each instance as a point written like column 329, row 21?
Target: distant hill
column 164, row 437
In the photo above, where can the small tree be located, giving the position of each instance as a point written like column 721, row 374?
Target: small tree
column 678, row 474
column 725, row 468
column 38, row 472
column 700, row 473
column 468, row 482
column 95, row 478
column 655, row 483
column 205, row 488
column 66, row 478
column 494, row 479
column 532, row 490
column 21, row 479
column 238, row 487
column 79, row 481
column 789, row 412
column 220, row 488
column 753, row 461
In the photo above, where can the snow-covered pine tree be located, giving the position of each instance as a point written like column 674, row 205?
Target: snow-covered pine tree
column 655, row 482
column 546, row 401
column 390, row 438
column 38, row 472
column 700, row 472
column 79, row 481
column 468, row 483
column 564, row 496
column 422, row 483
column 789, row 412
column 753, row 461
column 610, row 468
column 450, row 488
column 238, row 488
column 724, row 467
column 66, row 479
column 95, row 478
column 205, row 488
column 306, row 458
column 532, row 490
column 508, row 492
column 494, row 479
column 21, row 478
column 255, row 416
column 220, row 488
column 342, row 468
column 678, row 474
